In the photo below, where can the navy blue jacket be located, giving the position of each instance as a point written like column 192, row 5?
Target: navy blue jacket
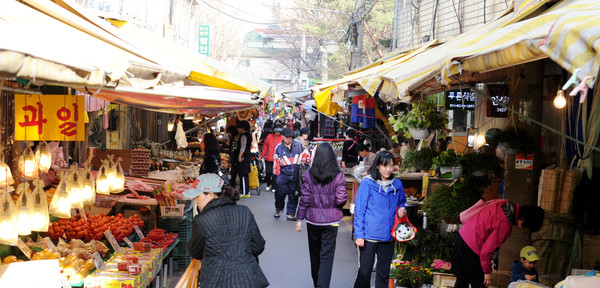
column 518, row 272
column 289, row 159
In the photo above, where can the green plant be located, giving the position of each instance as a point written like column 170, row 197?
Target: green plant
column 446, row 159
column 407, row 273
column 417, row 160
column 423, row 115
column 475, row 161
column 447, row 201
column 518, row 139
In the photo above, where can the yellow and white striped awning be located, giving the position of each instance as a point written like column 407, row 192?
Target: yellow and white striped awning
column 38, row 47
column 526, row 41
column 370, row 77
column 426, row 66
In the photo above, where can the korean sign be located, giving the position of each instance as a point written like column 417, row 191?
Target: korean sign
column 524, row 161
column 498, row 94
column 203, row 40
column 460, row 100
column 49, row 117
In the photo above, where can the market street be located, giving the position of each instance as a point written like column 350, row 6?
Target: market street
column 285, row 260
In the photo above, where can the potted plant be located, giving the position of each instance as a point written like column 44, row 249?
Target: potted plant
column 419, row 121
column 449, row 164
column 478, row 164
column 513, row 140
column 447, row 201
column 417, row 160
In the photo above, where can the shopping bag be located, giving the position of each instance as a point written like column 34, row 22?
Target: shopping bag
column 403, row 230
column 189, row 279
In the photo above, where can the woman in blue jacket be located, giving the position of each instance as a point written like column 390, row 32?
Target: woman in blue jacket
column 379, row 196
column 323, row 194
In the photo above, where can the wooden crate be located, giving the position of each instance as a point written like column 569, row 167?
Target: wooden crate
column 443, row 280
column 567, row 191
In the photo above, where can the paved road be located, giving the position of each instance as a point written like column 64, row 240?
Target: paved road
column 285, row 260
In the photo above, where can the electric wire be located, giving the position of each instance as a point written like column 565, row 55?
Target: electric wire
column 237, row 18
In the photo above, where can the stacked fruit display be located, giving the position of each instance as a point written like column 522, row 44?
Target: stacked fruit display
column 159, row 239
column 94, row 227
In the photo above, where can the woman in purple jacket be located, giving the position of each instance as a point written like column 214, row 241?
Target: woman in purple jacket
column 323, row 194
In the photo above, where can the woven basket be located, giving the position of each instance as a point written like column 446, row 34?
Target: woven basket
column 549, row 189
column 567, row 190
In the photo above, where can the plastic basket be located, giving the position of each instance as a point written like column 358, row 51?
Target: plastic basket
column 181, row 226
column 180, row 250
column 181, row 263
column 172, row 211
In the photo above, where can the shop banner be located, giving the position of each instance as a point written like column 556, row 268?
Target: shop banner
column 499, row 94
column 460, row 100
column 204, row 40
column 49, row 118
column 524, row 161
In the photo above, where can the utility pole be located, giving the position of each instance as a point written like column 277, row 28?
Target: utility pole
column 357, row 34
column 395, row 38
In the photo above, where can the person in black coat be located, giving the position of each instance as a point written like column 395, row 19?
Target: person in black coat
column 225, row 237
column 212, row 154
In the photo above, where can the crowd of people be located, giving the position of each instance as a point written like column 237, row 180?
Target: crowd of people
column 313, row 184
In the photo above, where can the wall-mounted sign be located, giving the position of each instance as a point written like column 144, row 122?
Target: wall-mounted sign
column 460, row 99
column 499, row 94
column 524, row 161
column 49, row 117
column 204, row 40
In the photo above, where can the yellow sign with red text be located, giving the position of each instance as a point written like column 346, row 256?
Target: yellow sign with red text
column 49, row 118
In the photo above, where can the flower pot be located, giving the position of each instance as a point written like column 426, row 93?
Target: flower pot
column 419, row 133
column 456, row 171
column 478, row 173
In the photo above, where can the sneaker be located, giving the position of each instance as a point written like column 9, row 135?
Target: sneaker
column 277, row 213
column 245, row 196
column 291, row 217
column 268, row 188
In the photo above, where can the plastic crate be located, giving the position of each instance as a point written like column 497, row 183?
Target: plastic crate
column 181, row 263
column 172, row 211
column 180, row 250
column 181, row 226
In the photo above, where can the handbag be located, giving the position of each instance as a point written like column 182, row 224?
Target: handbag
column 221, row 173
column 403, row 230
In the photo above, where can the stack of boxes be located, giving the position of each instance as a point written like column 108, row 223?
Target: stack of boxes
column 109, row 276
column 140, row 162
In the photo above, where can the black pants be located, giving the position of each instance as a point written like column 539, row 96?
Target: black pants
column 233, row 174
column 466, row 266
column 321, row 246
column 384, row 252
column 269, row 176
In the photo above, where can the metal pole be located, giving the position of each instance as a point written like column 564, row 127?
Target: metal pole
column 395, row 38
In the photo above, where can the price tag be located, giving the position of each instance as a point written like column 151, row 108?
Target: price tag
column 82, row 213
column 129, row 243
column 113, row 242
column 23, row 247
column 97, row 260
column 49, row 244
column 138, row 231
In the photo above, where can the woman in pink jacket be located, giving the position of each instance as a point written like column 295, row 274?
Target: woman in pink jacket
column 481, row 235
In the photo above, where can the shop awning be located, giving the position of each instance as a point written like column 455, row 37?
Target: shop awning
column 180, row 100
column 203, row 70
column 369, row 76
column 426, row 66
column 566, row 33
column 36, row 46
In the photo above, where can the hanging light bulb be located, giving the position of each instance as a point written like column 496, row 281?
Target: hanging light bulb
column 89, row 187
column 24, row 209
column 8, row 218
column 560, row 101
column 102, row 184
column 43, row 156
column 119, row 184
column 60, row 206
column 40, row 219
column 5, row 174
column 28, row 164
column 74, row 188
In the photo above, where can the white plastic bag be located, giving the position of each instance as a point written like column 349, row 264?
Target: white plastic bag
column 180, row 138
column 75, row 188
column 60, row 206
column 8, row 218
column 88, row 188
column 24, row 209
column 40, row 219
column 102, row 182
